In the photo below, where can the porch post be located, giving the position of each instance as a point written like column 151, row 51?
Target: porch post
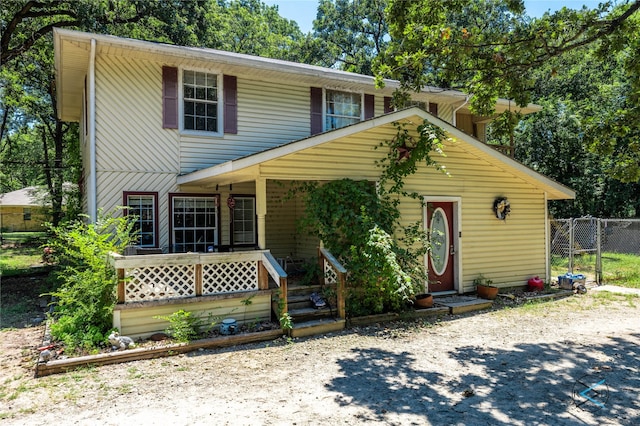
column 261, row 211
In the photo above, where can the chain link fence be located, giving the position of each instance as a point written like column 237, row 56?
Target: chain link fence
column 588, row 245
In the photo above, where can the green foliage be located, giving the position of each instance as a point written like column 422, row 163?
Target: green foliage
column 409, row 148
column 183, row 325
column 18, row 261
column 85, row 281
column 356, row 224
column 566, row 140
column 334, row 213
column 352, row 33
column 491, row 49
column 379, row 284
column 482, row 280
column 286, row 322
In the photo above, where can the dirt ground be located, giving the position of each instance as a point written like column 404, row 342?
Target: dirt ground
column 526, row 365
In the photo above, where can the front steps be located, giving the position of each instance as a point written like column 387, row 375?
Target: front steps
column 319, row 326
column 308, row 320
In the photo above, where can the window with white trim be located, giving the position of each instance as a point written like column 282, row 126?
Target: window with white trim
column 342, row 109
column 201, row 108
column 194, row 221
column 144, row 207
column 244, row 220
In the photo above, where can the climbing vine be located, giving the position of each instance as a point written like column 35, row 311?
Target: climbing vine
column 406, row 151
column 359, row 222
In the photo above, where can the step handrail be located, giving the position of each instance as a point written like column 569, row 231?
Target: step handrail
column 278, row 274
column 341, row 278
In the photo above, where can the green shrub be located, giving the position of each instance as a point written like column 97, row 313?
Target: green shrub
column 183, row 325
column 85, row 282
column 355, row 224
column 356, row 221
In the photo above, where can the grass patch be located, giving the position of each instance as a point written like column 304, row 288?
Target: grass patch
column 21, row 250
column 621, row 269
column 609, row 297
column 617, row 268
column 17, row 260
column 33, row 238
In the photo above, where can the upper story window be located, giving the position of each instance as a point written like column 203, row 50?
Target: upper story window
column 201, row 107
column 342, row 109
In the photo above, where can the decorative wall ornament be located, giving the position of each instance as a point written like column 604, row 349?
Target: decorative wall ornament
column 501, row 207
column 231, row 202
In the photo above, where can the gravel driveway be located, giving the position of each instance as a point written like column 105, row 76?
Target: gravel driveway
column 524, row 365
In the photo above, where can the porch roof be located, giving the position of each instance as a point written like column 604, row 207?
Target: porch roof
column 249, row 167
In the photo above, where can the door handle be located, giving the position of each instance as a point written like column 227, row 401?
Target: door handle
column 452, row 250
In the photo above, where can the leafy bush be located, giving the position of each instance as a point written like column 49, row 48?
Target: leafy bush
column 183, row 325
column 85, row 282
column 355, row 223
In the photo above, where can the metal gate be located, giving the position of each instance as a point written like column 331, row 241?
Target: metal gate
column 577, row 244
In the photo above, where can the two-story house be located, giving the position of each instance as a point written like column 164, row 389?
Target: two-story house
column 201, row 145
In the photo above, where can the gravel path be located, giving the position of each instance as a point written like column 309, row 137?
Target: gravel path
column 510, row 366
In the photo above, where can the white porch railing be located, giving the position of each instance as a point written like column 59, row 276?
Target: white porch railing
column 173, row 276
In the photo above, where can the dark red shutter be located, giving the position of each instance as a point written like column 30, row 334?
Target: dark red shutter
column 230, row 87
column 387, row 104
column 369, row 106
column 169, row 97
column 316, row 110
column 433, row 108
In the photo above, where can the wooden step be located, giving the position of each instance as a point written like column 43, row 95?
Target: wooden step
column 299, row 301
column 320, row 326
column 308, row 314
column 299, row 289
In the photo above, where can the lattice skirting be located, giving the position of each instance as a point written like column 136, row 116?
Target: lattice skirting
column 159, row 282
column 229, row 277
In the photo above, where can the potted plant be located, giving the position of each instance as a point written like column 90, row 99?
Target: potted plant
column 484, row 287
column 423, row 300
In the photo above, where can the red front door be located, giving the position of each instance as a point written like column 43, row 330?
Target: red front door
column 441, row 258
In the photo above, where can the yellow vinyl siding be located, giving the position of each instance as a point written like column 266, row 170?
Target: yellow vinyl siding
column 509, row 252
column 282, row 236
column 129, row 133
column 133, row 151
column 280, row 222
column 140, row 322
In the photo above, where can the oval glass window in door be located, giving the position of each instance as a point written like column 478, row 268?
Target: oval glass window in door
column 439, row 237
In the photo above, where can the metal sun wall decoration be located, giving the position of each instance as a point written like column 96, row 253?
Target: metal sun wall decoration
column 501, row 207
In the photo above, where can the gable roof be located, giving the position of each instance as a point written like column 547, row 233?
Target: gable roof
column 30, row 196
column 72, row 54
column 248, row 167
